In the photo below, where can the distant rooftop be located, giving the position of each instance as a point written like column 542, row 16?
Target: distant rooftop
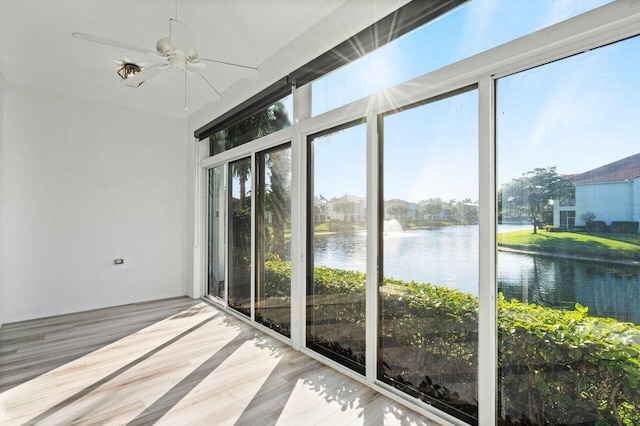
column 621, row 170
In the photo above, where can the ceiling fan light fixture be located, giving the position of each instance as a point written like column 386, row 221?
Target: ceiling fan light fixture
column 127, row 70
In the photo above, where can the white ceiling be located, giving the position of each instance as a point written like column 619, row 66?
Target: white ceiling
column 36, row 47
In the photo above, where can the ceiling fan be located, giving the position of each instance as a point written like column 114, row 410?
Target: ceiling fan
column 178, row 52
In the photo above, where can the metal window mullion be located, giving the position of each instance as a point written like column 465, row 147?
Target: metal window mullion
column 372, row 200
column 200, row 228
column 301, row 112
column 254, row 181
column 487, row 316
column 226, row 178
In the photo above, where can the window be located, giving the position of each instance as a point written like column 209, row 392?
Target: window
column 239, row 225
column 217, row 244
column 275, row 117
column 273, row 239
column 473, row 27
column 403, row 248
column 568, row 166
column 429, row 239
column 336, row 214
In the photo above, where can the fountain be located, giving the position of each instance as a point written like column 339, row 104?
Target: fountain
column 392, row 227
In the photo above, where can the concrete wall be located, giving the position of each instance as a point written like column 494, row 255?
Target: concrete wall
column 611, row 201
column 84, row 183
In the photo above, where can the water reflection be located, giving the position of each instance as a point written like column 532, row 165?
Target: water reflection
column 341, row 251
column 448, row 256
column 444, row 256
column 608, row 291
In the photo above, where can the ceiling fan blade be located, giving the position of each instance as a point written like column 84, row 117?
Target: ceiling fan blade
column 113, row 43
column 180, row 36
column 137, row 79
column 207, row 81
column 242, row 71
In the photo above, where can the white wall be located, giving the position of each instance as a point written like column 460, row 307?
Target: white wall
column 2, row 90
column 86, row 182
column 611, row 201
column 636, row 200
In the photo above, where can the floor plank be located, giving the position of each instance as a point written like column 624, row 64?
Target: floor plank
column 176, row 361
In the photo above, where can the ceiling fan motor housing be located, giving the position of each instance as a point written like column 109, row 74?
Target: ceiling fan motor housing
column 176, row 57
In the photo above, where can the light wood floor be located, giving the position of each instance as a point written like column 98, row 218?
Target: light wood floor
column 173, row 362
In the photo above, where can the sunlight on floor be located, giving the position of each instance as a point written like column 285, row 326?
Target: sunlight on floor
column 199, row 366
column 95, row 383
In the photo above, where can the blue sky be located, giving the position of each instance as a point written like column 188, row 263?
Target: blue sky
column 576, row 114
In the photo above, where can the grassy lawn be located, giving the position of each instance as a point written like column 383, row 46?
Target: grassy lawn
column 576, row 244
column 327, row 228
column 629, row 238
column 323, row 227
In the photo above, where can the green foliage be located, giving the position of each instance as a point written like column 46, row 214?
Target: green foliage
column 575, row 244
column 277, row 279
column 323, row 227
column 532, row 192
column 264, row 122
column 564, row 367
column 596, row 226
column 588, row 217
column 341, row 228
column 551, row 228
column 331, row 281
column 555, row 366
column 437, row 212
column 397, row 209
column 624, row 227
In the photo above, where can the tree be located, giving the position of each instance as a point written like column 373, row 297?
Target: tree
column 588, row 217
column 432, row 208
column 469, row 210
column 279, row 197
column 343, row 206
column 399, row 210
column 262, row 123
column 534, row 192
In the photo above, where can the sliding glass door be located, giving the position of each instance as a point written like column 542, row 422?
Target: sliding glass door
column 337, row 244
column 239, row 204
column 429, row 238
column 273, row 239
column 216, row 276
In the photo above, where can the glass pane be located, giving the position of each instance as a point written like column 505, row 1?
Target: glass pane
column 569, row 248
column 273, row 239
column 269, row 120
column 429, row 238
column 240, row 236
column 472, row 28
column 337, row 246
column 217, row 206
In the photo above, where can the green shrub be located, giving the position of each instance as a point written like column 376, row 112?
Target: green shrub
column 564, row 367
column 551, row 228
column 596, row 226
column 624, row 227
column 555, row 366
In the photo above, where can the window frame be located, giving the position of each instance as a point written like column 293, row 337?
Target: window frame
column 353, row 366
column 602, row 26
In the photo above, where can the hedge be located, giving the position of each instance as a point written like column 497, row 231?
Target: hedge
column 624, row 227
column 596, row 226
column 555, row 366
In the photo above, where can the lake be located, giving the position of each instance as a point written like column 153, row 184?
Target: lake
column 448, row 256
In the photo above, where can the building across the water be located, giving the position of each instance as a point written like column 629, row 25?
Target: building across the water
column 611, row 192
